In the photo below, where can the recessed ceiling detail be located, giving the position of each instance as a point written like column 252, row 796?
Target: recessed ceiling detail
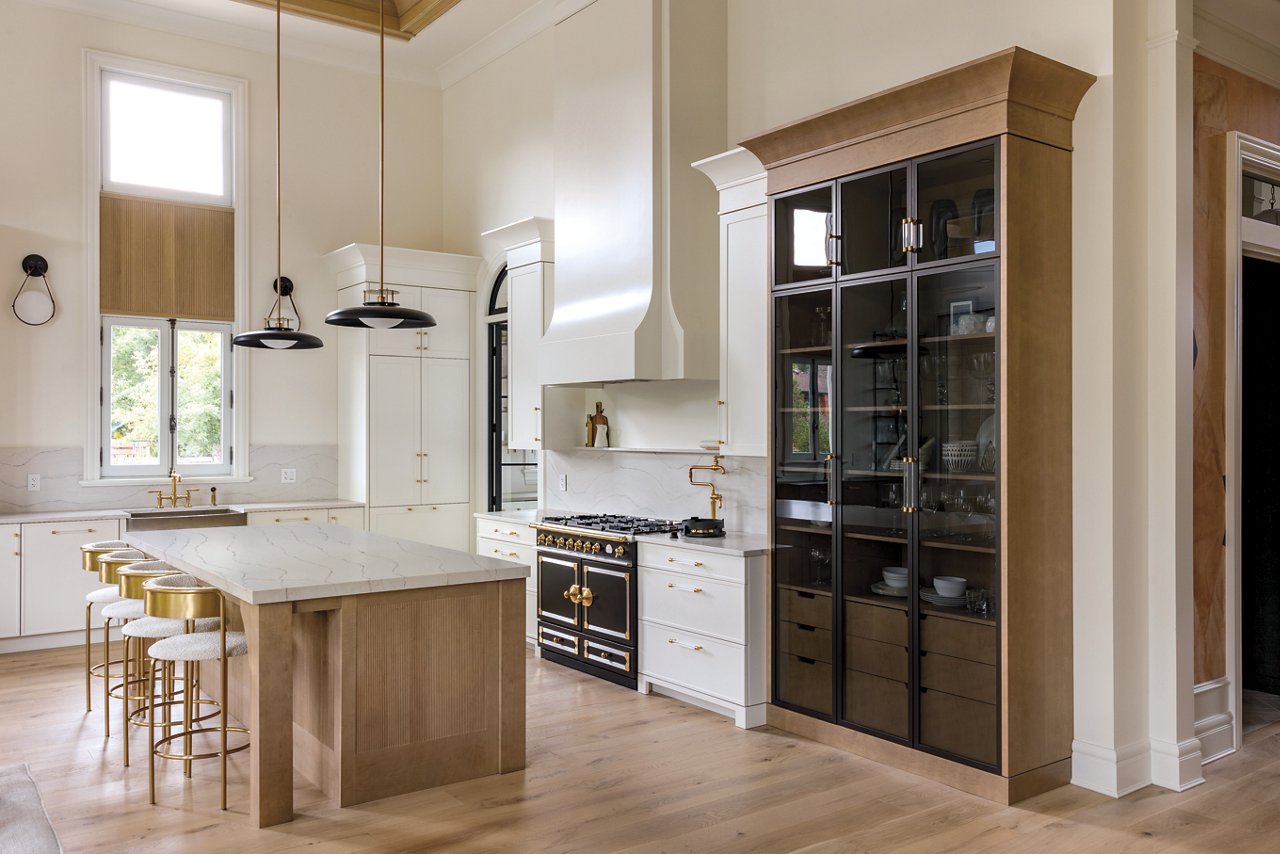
column 404, row 18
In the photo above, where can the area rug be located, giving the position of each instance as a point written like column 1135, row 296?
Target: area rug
column 24, row 824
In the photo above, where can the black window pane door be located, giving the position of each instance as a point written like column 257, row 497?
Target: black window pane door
column 872, row 210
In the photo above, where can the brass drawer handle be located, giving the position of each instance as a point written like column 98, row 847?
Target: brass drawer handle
column 695, row 647
column 304, row 518
column 685, row 589
column 508, row 554
column 75, row 531
column 696, row 564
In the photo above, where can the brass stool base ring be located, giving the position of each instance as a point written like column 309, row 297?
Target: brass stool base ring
column 184, row 757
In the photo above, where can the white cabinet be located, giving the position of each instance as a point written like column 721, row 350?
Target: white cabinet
column 450, row 338
column 444, row 525
column 524, row 330
column 395, row 431
column 446, row 435
column 703, row 628
column 512, row 541
column 351, row 517
column 53, row 583
column 744, row 301
column 347, row 517
column 10, row 580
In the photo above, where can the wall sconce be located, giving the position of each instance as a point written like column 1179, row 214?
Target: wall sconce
column 30, row 306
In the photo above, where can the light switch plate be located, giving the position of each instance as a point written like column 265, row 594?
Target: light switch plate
column 564, row 483
column 288, row 475
column 33, row 483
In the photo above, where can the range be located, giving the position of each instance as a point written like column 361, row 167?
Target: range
column 587, row 610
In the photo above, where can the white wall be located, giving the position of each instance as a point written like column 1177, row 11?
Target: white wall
column 330, row 174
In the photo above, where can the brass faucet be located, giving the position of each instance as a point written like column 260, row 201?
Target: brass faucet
column 174, row 498
column 717, row 500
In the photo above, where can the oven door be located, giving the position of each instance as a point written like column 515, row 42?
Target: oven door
column 608, row 601
column 559, row 591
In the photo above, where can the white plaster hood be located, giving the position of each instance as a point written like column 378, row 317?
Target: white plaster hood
column 635, row 295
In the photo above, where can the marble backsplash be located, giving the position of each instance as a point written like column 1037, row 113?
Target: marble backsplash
column 656, row 484
column 62, row 469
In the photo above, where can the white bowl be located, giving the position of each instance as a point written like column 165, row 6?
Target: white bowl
column 949, row 585
column 895, row 576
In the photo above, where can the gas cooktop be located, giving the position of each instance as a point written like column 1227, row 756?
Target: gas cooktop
column 613, row 524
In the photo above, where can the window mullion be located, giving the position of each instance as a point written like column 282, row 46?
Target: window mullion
column 170, row 355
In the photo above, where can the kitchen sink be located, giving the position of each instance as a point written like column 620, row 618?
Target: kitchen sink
column 186, row 517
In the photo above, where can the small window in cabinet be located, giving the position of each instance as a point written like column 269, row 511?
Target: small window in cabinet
column 803, row 236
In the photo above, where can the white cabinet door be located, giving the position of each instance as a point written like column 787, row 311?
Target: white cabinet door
column 347, row 517
column 442, row 525
column 450, row 338
column 53, row 583
column 446, row 433
column 10, row 580
column 524, row 331
column 395, row 431
column 397, row 342
column 744, row 324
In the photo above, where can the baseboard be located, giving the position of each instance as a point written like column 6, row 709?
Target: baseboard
column 744, row 717
column 54, row 641
column 1215, row 725
column 1176, row 766
column 1114, row 772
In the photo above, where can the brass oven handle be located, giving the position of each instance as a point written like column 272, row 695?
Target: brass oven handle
column 574, row 594
column 587, row 597
column 696, row 647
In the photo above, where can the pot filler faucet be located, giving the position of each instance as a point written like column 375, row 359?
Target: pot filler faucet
column 717, row 500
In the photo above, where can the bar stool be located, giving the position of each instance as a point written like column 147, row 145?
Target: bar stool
column 140, row 631
column 118, row 611
column 182, row 597
column 89, row 554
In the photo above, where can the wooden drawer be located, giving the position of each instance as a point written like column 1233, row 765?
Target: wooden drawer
column 705, row 664
column 704, row 564
column 509, row 551
column 958, row 638
column 811, row 609
column 874, row 622
column 877, row 703
column 958, row 725
column 805, row 641
column 958, row 676
column 879, row 659
column 507, row 532
column 702, row 605
column 804, row 682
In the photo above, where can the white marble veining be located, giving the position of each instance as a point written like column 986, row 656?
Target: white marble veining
column 732, row 543
column 98, row 513
column 62, row 468
column 654, row 484
column 287, row 563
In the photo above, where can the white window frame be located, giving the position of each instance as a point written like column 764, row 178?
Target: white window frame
column 96, row 63
column 226, row 197
column 166, row 405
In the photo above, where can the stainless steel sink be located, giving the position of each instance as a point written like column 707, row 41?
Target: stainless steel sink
column 186, row 517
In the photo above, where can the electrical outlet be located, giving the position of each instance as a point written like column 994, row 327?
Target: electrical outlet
column 288, row 475
column 33, row 483
column 564, row 483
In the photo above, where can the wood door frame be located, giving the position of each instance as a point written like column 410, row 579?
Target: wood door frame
column 1256, row 240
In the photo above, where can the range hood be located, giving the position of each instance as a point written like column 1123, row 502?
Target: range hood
column 636, row 287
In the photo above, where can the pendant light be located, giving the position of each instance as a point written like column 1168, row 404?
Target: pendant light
column 278, row 332
column 380, row 310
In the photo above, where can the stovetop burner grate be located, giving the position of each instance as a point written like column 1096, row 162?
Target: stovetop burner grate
column 614, row 523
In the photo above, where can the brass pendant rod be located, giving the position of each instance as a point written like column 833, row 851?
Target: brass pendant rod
column 279, row 280
column 382, row 146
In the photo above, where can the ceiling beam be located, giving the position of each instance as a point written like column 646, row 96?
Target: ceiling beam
column 357, row 14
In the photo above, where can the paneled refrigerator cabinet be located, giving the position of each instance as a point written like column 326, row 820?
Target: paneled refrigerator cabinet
column 921, row 453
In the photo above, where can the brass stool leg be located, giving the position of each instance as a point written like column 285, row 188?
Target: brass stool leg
column 88, row 658
column 124, row 702
column 222, row 695
column 188, row 671
column 151, row 728
column 106, row 678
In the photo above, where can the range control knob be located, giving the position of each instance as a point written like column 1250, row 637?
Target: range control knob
column 559, row 542
column 577, row 545
column 619, row 551
column 595, row 548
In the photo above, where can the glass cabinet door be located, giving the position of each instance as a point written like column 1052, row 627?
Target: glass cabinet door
column 872, row 210
column 956, row 204
column 803, row 236
column 957, row 570
column 803, row 500
column 875, row 395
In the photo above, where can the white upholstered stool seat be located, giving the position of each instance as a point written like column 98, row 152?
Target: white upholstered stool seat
column 125, row 609
column 126, row 553
column 103, row 596
column 198, row 646
column 158, row 627
column 106, row 545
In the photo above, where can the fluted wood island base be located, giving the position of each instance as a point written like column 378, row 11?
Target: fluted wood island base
column 376, row 666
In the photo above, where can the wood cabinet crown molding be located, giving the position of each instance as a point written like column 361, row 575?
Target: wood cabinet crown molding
column 1014, row 91
column 404, row 19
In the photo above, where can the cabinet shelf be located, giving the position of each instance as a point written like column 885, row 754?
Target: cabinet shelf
column 891, row 409
column 959, row 475
column 825, row 530
column 959, row 547
column 876, row 538
column 788, row 351
column 959, row 407
column 900, row 603
column 958, row 339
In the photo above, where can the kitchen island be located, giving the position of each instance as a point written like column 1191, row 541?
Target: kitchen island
column 376, row 666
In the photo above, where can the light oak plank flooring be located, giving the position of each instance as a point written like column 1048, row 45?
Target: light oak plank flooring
column 610, row 770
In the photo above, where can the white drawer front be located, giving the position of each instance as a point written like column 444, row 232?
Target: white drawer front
column 694, row 661
column 486, row 547
column 725, row 567
column 508, row 532
column 289, row 517
column 693, row 602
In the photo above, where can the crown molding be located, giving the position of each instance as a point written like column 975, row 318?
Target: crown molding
column 1236, row 48
column 507, row 38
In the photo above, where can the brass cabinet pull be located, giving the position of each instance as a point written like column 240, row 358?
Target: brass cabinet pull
column 508, row 554
column 508, row 533
column 75, row 531
column 573, row 594
column 587, row 597
column 685, row 589
column 304, row 518
column 696, row 647
column 696, row 564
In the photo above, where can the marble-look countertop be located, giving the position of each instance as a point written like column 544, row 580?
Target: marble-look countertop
column 264, row 564
column 525, row 516
column 735, row 543
column 84, row 515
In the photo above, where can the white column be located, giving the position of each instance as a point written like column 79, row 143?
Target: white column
column 1175, row 751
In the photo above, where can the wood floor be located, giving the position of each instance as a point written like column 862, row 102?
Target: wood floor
column 610, row 770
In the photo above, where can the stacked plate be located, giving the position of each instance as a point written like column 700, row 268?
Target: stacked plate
column 885, row 590
column 932, row 596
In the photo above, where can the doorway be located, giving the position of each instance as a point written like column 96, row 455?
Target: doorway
column 1260, row 496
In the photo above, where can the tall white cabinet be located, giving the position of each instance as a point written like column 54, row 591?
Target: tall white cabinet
column 405, row 396
column 744, row 301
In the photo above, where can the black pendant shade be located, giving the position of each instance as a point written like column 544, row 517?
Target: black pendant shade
column 380, row 315
column 277, row 332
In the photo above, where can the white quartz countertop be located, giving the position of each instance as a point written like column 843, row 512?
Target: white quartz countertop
column 286, row 563
column 119, row 513
column 733, row 543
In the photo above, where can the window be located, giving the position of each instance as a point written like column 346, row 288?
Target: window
column 513, row 474
column 166, row 139
column 809, row 430
column 166, row 397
